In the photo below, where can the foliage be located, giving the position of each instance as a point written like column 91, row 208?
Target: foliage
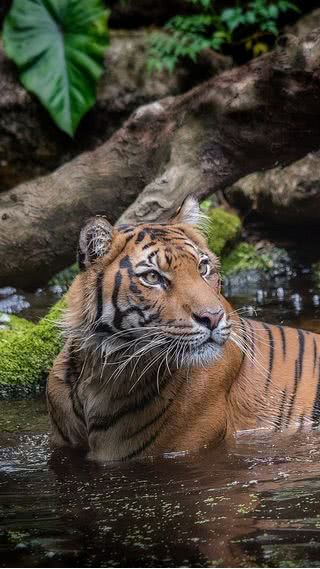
column 64, row 278
column 58, row 46
column 27, row 354
column 316, row 273
column 186, row 36
column 223, row 228
column 12, row 322
column 243, row 257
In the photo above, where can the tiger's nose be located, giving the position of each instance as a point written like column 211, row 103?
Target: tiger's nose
column 209, row 318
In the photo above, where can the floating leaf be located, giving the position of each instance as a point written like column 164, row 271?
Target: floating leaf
column 58, row 46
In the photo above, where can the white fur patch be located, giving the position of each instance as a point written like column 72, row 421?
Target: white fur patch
column 190, row 211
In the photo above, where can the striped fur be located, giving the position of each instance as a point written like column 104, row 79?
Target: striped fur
column 156, row 360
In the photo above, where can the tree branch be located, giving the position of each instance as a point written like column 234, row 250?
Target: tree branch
column 249, row 118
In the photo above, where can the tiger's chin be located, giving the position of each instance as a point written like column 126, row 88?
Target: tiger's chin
column 201, row 355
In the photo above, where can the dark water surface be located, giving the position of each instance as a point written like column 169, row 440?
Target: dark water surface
column 253, row 503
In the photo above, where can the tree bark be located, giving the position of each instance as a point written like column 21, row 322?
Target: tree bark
column 287, row 196
column 247, row 119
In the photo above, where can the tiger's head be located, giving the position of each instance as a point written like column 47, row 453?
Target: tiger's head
column 154, row 285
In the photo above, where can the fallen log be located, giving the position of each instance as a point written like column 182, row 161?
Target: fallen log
column 249, row 118
column 287, row 196
column 125, row 85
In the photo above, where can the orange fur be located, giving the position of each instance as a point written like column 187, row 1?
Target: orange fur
column 156, row 402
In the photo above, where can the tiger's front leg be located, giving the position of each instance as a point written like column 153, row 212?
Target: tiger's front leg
column 68, row 426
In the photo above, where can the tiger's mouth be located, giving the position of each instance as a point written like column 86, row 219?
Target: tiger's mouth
column 203, row 351
column 178, row 346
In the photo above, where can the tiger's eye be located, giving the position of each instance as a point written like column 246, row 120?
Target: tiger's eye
column 151, row 277
column 204, row 268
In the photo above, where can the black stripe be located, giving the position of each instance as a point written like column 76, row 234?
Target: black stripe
column 71, row 377
column 106, row 422
column 145, row 445
column 136, row 290
column 278, row 422
column 301, row 422
column 301, row 342
column 99, row 297
column 81, row 258
column 63, row 435
column 117, row 321
column 103, row 328
column 315, row 355
column 128, row 239
column 271, row 354
column 151, row 422
column 76, row 404
column 294, row 393
column 153, row 254
column 316, row 405
column 140, row 237
column 152, row 392
column 244, row 331
column 252, row 343
column 283, row 341
column 125, row 228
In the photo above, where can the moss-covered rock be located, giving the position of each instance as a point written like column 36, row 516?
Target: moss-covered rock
column 27, row 353
column 223, row 228
column 12, row 322
column 245, row 257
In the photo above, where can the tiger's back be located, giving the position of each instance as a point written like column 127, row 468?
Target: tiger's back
column 282, row 365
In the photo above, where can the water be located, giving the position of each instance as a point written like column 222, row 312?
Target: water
column 255, row 502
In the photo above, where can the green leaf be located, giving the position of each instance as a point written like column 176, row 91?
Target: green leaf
column 250, row 17
column 273, row 11
column 232, row 17
column 58, row 46
column 203, row 3
column 284, row 6
column 270, row 27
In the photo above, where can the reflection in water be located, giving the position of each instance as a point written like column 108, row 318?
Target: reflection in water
column 254, row 503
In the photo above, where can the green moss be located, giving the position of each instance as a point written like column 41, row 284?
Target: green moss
column 223, row 229
column 65, row 277
column 12, row 322
column 27, row 353
column 243, row 257
column 316, row 273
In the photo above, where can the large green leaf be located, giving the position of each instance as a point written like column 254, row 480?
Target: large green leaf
column 58, row 46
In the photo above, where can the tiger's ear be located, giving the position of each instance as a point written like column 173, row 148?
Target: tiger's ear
column 95, row 241
column 189, row 212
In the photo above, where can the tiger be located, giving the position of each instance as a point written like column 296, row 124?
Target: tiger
column 155, row 359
